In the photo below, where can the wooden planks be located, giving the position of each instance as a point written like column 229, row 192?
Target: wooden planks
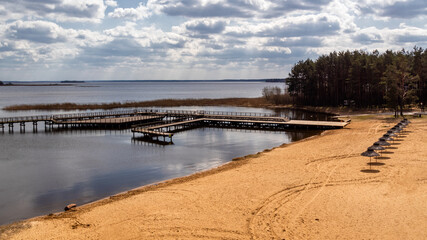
column 116, row 120
column 151, row 131
column 317, row 123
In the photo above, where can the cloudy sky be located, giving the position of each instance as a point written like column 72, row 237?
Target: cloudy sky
column 194, row 39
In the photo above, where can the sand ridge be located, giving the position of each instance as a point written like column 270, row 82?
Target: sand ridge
column 312, row 189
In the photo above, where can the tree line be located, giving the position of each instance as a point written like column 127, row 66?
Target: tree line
column 361, row 79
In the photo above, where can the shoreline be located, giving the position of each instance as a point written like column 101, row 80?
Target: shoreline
column 241, row 164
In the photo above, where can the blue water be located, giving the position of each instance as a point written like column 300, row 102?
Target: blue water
column 42, row 172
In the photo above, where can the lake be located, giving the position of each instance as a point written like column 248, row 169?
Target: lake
column 103, row 92
column 42, row 172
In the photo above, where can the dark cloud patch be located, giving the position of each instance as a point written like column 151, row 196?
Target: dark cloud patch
column 411, row 38
column 7, row 46
column 243, row 54
column 118, row 48
column 38, row 1
column 250, row 56
column 283, row 7
column 11, row 62
column 240, row 8
column 366, row 39
column 59, row 7
column 114, row 52
column 401, row 9
column 40, row 32
column 408, row 9
column 168, row 45
column 322, row 27
column 214, row 46
column 296, row 42
column 44, row 50
column 38, row 5
column 89, row 11
column 366, row 10
column 206, row 27
column 193, row 10
column 243, row 4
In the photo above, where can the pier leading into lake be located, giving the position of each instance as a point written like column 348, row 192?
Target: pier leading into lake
column 92, row 120
column 161, row 124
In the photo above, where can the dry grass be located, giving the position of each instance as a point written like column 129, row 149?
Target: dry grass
column 240, row 102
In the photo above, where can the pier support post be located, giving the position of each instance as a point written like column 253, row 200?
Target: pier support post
column 35, row 123
column 11, row 127
column 48, row 126
column 22, row 127
column 2, row 127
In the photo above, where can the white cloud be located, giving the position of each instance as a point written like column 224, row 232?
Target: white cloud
column 134, row 14
column 111, row 3
column 196, row 38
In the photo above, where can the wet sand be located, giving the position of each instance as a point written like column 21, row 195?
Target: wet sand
column 317, row 188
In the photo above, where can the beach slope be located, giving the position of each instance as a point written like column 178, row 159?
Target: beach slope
column 317, row 188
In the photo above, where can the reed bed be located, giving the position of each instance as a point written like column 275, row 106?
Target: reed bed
column 240, row 102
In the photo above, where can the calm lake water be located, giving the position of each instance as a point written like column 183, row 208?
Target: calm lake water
column 42, row 172
column 101, row 92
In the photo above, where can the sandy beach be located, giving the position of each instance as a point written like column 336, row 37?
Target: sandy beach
column 311, row 189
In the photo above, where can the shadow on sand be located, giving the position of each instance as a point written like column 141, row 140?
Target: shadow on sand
column 375, row 163
column 387, row 152
column 370, row 171
column 382, row 158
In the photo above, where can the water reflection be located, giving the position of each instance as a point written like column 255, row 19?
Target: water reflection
column 296, row 114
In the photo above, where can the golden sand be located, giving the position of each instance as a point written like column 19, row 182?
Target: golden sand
column 311, row 189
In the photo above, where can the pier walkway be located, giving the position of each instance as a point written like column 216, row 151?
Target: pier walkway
column 105, row 119
column 164, row 123
column 233, row 121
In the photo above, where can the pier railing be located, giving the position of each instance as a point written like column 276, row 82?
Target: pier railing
column 204, row 113
column 66, row 116
column 105, row 114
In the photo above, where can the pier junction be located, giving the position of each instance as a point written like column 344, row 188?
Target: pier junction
column 157, row 124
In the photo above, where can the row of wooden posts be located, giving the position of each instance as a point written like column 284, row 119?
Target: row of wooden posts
column 22, row 125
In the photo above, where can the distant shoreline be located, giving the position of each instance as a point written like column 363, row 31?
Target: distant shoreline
column 282, row 80
column 35, row 84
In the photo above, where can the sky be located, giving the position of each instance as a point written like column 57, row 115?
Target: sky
column 46, row 40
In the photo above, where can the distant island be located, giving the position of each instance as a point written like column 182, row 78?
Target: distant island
column 72, row 81
column 32, row 84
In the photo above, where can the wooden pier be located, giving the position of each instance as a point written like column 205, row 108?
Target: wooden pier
column 95, row 120
column 255, row 122
column 164, row 123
